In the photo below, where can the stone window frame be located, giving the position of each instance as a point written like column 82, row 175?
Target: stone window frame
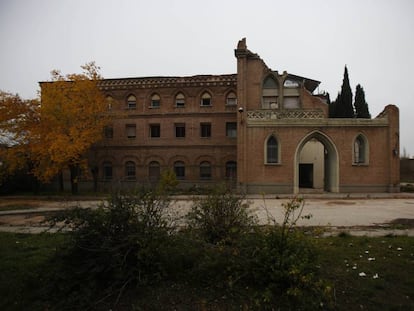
column 231, row 99
column 206, row 100
column 179, row 100
column 131, row 102
column 270, row 93
column 155, row 102
column 267, row 149
column 360, row 150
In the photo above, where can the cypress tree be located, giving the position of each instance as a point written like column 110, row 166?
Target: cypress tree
column 361, row 106
column 347, row 109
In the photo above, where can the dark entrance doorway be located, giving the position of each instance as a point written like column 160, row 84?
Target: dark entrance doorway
column 306, row 175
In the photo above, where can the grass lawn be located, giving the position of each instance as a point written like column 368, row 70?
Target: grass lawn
column 364, row 274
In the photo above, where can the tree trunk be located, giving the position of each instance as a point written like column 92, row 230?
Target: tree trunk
column 74, row 173
column 61, row 183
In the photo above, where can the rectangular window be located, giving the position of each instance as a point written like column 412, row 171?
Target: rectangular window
column 205, row 129
column 179, row 130
column 155, row 130
column 155, row 103
column 109, row 132
column 270, row 102
column 291, row 102
column 231, row 129
column 131, row 130
column 180, row 102
column 206, row 102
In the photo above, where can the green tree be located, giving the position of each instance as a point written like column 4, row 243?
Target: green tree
column 361, row 106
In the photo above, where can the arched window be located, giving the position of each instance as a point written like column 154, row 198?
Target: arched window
column 155, row 101
column 360, row 155
column 205, row 99
column 109, row 102
column 272, row 150
column 231, row 99
column 154, row 171
column 205, row 170
column 130, row 170
column 270, row 93
column 107, row 170
column 231, row 170
column 131, row 102
column 179, row 169
column 180, row 100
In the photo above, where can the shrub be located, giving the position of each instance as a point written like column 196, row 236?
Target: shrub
column 220, row 216
column 118, row 245
column 284, row 264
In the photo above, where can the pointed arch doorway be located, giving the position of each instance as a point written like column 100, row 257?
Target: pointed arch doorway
column 304, row 173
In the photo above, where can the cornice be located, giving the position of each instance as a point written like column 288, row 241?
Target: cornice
column 162, row 82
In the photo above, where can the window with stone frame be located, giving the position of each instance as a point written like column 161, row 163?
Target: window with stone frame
column 131, row 102
column 360, row 150
column 270, row 92
column 180, row 100
column 205, row 99
column 231, row 99
column 155, row 101
column 272, row 150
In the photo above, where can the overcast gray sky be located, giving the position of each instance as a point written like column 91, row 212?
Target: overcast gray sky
column 126, row 38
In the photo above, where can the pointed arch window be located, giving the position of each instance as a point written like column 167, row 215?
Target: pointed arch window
column 231, row 99
column 205, row 99
column 131, row 102
column 270, row 93
column 180, row 100
column 109, row 102
column 155, row 101
column 360, row 150
column 272, row 150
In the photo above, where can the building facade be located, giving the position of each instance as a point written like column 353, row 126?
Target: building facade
column 260, row 130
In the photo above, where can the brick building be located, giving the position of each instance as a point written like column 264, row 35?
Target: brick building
column 264, row 131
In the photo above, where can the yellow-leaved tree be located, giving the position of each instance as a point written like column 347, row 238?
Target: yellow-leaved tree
column 18, row 117
column 72, row 118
